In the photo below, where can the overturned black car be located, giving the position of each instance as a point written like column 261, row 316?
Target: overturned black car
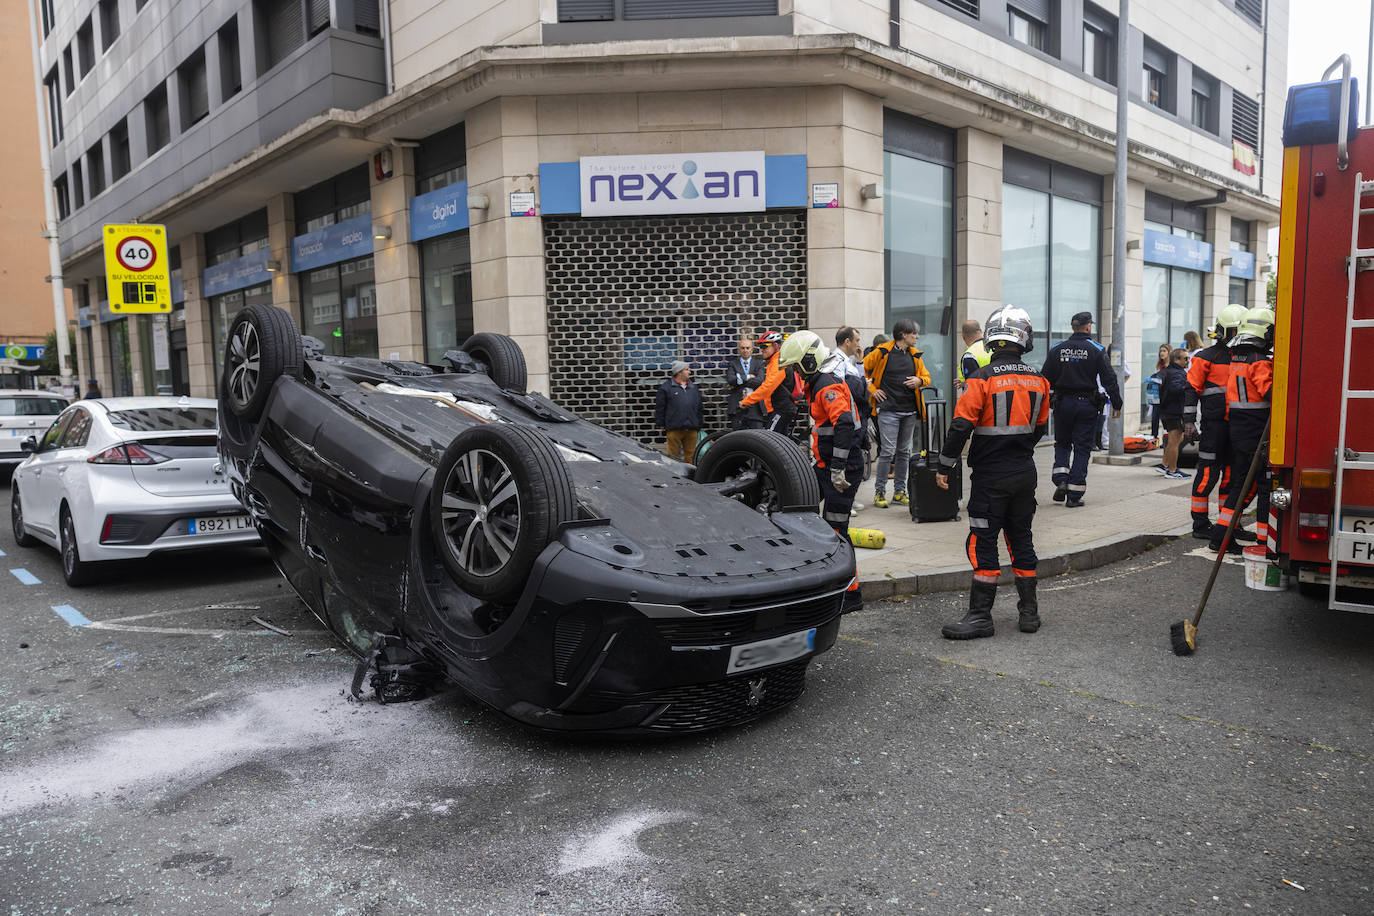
column 570, row 577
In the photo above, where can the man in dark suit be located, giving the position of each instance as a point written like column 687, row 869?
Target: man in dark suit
column 738, row 372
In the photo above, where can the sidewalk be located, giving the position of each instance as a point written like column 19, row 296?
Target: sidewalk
column 1128, row 509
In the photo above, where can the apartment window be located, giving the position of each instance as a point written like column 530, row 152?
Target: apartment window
column 441, row 160
column 95, row 170
column 68, row 71
column 1099, row 44
column 157, row 119
column 1238, row 288
column 594, row 10
column 1029, row 21
column 109, row 23
column 48, row 17
column 1155, row 72
column 54, row 106
column 282, row 26
column 339, row 198
column 120, row 162
column 230, row 73
column 367, row 17
column 968, row 7
column 64, row 199
column 1245, row 120
column 195, row 91
column 316, row 16
column 236, row 239
column 78, row 186
column 85, row 47
column 1204, row 101
column 1252, row 10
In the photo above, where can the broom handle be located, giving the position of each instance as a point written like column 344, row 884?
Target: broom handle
column 1235, row 518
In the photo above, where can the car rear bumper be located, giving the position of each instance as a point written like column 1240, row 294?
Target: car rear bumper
column 130, row 534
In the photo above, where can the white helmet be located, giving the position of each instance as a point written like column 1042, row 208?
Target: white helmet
column 803, row 350
column 1009, row 325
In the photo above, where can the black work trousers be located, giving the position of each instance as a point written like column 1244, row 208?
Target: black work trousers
column 1213, row 470
column 836, row 506
column 1006, row 506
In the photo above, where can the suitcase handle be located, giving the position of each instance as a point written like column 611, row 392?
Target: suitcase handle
column 936, row 422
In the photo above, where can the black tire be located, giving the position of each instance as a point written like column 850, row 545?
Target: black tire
column 786, row 480
column 76, row 571
column 262, row 345
column 21, row 535
column 498, row 489
column 504, row 359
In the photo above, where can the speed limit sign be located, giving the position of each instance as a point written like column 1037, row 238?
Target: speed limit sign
column 136, row 269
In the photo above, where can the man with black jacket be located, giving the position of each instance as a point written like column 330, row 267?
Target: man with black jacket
column 1074, row 368
column 738, row 371
column 677, row 412
column 1005, row 408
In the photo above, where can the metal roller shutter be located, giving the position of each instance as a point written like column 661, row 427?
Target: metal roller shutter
column 585, row 10
column 698, row 9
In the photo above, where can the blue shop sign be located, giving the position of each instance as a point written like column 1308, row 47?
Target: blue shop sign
column 343, row 241
column 240, row 273
column 1176, row 251
column 439, row 212
column 1243, row 265
column 83, row 317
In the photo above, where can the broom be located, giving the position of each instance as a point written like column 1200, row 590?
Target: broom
column 1183, row 635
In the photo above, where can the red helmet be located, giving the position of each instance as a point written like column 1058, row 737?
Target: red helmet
column 770, row 337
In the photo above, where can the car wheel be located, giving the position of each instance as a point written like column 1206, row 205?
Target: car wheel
column 785, row 477
column 504, row 359
column 500, row 494
column 263, row 344
column 76, row 571
column 21, row 534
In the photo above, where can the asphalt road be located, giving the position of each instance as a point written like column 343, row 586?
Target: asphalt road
column 179, row 758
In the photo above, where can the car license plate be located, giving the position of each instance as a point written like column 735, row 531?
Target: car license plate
column 1357, row 551
column 218, row 524
column 771, row 651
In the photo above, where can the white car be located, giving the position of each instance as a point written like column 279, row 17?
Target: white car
column 121, row 478
column 24, row 414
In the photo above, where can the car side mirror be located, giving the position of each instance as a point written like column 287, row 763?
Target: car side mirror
column 29, row 445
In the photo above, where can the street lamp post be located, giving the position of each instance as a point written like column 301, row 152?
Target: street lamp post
column 1116, row 425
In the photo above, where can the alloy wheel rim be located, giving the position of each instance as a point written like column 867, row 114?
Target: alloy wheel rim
column 245, row 363
column 16, row 515
column 480, row 512
column 68, row 546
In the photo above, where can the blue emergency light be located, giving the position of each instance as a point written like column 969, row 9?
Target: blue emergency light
column 1312, row 114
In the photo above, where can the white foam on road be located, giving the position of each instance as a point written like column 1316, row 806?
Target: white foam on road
column 147, row 760
column 613, row 844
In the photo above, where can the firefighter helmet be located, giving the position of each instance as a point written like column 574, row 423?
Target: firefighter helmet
column 1228, row 319
column 1008, row 325
column 770, row 337
column 803, row 350
column 1256, row 329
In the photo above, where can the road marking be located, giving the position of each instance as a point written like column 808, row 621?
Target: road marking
column 28, row 578
column 1129, row 572
column 70, row 614
column 2, row 553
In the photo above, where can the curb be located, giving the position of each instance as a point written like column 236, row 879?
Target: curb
column 956, row 578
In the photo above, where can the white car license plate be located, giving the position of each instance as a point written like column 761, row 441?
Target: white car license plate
column 218, row 524
column 1356, row 551
column 771, row 651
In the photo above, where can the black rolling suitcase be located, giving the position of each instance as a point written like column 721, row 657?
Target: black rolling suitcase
column 929, row 503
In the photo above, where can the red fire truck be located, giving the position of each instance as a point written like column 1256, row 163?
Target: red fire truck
column 1321, row 443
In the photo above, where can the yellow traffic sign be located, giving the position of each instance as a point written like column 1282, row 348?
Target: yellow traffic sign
column 137, row 273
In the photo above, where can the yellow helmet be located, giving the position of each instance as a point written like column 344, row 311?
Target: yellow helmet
column 1228, row 319
column 1256, row 328
column 804, row 350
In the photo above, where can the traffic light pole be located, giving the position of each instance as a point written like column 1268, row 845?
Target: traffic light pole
column 59, row 299
column 1116, row 426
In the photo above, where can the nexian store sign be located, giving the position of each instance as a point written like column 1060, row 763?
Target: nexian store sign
column 674, row 184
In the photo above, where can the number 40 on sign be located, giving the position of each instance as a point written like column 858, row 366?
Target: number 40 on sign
column 137, row 273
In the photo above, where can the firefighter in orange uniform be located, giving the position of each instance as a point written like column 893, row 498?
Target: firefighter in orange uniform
column 1247, row 408
column 774, row 391
column 834, row 435
column 1005, row 408
column 1208, row 372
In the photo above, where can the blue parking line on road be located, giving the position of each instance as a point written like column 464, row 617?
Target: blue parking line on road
column 70, row 614
column 2, row 553
column 28, row 578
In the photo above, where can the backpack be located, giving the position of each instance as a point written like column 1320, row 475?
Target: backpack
column 1152, row 385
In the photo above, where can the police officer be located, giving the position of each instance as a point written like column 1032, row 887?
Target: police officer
column 1247, row 408
column 1005, row 407
column 976, row 354
column 1074, row 368
column 1208, row 373
column 774, row 390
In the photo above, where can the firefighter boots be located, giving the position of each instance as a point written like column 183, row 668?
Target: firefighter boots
column 1027, row 606
column 978, row 621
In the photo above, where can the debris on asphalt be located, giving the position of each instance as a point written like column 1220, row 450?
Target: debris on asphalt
column 1293, row 884
column 263, row 623
column 314, row 652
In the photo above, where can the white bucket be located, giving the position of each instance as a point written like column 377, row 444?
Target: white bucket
column 1259, row 574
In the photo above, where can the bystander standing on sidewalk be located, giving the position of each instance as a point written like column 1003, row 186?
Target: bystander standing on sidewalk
column 739, row 370
column 896, row 375
column 677, row 412
column 1173, row 396
column 92, row 390
column 849, row 346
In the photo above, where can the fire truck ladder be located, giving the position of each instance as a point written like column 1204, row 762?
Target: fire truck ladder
column 1344, row 544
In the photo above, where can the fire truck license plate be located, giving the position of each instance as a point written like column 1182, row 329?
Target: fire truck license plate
column 1357, row 551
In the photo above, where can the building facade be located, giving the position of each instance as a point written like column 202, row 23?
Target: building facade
column 618, row 184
